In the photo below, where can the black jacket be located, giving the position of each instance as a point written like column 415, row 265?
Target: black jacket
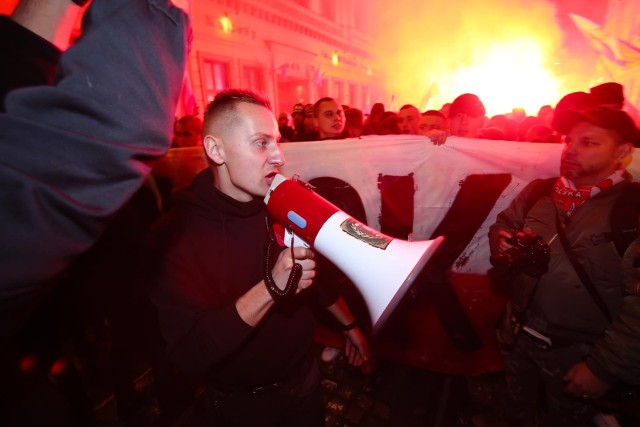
column 210, row 251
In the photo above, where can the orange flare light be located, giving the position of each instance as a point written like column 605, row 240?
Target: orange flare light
column 511, row 74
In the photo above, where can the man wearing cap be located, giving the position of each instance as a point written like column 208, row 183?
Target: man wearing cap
column 565, row 340
column 297, row 116
column 466, row 116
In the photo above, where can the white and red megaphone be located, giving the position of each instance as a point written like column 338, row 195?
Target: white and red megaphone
column 381, row 267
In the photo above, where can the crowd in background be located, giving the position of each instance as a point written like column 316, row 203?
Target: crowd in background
column 465, row 116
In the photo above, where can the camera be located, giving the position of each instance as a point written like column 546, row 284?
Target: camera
column 529, row 255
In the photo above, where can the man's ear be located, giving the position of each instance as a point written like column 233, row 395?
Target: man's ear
column 214, row 149
column 625, row 151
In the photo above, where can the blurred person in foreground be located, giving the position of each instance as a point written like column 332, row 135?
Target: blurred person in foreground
column 75, row 152
column 224, row 306
column 70, row 163
column 576, row 337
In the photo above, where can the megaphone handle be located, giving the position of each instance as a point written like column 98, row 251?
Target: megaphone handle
column 294, row 277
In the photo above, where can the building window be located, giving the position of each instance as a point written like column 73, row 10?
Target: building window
column 253, row 78
column 215, row 77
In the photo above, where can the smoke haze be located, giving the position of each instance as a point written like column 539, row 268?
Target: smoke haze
column 509, row 53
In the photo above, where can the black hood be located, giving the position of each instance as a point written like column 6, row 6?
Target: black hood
column 203, row 198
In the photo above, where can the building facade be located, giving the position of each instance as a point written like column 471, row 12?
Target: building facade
column 290, row 50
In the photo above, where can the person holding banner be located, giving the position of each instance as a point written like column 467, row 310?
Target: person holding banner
column 576, row 316
column 228, row 306
column 410, row 119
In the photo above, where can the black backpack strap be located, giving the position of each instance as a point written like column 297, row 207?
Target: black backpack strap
column 624, row 218
column 584, row 277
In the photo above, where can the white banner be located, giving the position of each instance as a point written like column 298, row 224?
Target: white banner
column 438, row 174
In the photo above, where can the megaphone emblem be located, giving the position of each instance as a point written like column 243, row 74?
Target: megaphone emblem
column 381, row 267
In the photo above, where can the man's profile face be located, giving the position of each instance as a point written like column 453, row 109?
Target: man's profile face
column 251, row 153
column 428, row 123
column 330, row 119
column 591, row 154
column 408, row 119
column 464, row 125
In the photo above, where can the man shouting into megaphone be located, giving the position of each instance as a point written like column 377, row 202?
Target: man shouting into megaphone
column 227, row 313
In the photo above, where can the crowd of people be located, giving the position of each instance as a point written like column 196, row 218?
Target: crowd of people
column 206, row 289
column 465, row 116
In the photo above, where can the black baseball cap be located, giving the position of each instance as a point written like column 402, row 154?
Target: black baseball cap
column 604, row 117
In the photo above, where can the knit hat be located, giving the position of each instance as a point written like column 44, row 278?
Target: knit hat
column 469, row 104
column 608, row 93
column 575, row 101
column 604, row 117
column 377, row 109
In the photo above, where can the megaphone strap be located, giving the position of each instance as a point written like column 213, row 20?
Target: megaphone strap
column 294, row 276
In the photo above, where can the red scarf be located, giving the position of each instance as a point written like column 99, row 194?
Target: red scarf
column 568, row 197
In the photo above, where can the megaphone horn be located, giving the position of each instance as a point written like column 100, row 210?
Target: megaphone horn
column 381, row 267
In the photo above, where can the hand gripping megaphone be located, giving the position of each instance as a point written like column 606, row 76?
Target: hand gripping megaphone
column 381, row 267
